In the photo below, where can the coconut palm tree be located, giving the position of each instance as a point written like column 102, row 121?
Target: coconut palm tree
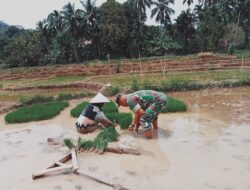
column 72, row 22
column 54, row 20
column 185, row 26
column 90, row 9
column 90, row 14
column 189, row 2
column 202, row 2
column 162, row 11
column 45, row 34
column 140, row 6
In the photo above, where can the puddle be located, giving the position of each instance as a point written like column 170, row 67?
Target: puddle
column 205, row 148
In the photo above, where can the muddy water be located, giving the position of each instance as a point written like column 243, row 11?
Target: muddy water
column 205, row 148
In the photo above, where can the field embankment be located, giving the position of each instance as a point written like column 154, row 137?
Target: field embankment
column 188, row 73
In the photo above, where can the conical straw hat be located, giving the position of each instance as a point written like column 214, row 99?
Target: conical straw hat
column 99, row 98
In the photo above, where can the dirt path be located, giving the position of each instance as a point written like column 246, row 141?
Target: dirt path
column 201, row 149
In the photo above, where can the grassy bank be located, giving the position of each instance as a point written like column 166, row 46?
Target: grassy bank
column 35, row 112
column 180, row 81
column 21, row 95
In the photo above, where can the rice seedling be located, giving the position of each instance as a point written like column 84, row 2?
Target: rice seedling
column 75, row 112
column 100, row 143
column 110, row 107
column 125, row 120
column 174, row 105
column 35, row 112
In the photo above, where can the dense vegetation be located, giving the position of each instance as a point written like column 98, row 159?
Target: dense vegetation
column 35, row 112
column 116, row 30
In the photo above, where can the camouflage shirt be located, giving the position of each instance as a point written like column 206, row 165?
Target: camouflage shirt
column 144, row 98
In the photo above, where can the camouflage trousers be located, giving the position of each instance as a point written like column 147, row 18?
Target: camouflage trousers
column 152, row 112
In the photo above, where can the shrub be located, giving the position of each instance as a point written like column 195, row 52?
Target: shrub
column 174, row 105
column 35, row 112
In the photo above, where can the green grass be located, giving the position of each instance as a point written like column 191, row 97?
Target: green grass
column 174, row 105
column 35, row 112
column 178, row 81
column 24, row 100
column 42, row 82
column 245, row 53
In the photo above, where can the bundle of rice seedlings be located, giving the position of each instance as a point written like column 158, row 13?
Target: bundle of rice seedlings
column 110, row 107
column 100, row 143
column 125, row 120
column 109, row 134
column 69, row 143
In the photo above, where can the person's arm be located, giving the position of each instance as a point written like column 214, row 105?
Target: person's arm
column 100, row 117
column 138, row 111
column 137, row 117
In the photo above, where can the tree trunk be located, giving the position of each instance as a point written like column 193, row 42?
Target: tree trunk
column 76, row 51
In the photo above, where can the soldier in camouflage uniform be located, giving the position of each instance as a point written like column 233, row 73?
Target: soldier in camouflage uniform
column 146, row 104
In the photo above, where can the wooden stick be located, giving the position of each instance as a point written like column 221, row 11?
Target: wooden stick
column 123, row 150
column 80, row 172
column 47, row 171
column 64, row 159
column 114, row 150
column 61, row 164
column 74, row 159
column 130, row 151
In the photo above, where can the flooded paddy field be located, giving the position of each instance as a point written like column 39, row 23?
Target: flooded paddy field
column 206, row 148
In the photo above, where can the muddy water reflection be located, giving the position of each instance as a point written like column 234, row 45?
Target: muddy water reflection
column 231, row 105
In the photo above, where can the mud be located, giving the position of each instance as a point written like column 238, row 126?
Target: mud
column 205, row 148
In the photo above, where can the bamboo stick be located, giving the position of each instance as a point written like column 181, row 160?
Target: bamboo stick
column 64, row 159
column 50, row 170
column 130, row 151
column 61, row 164
column 74, row 159
column 123, row 150
column 80, row 172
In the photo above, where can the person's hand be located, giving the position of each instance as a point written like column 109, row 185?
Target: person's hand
column 114, row 124
column 131, row 128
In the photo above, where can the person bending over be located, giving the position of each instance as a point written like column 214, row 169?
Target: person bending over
column 146, row 104
column 92, row 117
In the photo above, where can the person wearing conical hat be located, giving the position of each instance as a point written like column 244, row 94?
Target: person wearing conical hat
column 92, row 115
